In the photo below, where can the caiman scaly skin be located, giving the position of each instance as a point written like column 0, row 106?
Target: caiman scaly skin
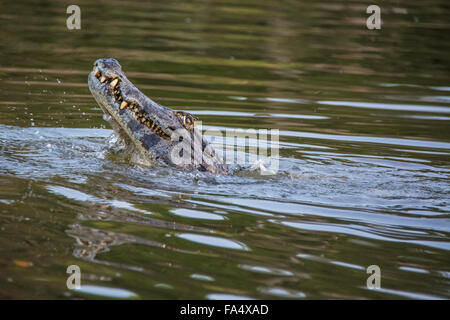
column 147, row 127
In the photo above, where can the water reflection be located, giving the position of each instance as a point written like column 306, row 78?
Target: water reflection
column 214, row 241
column 385, row 106
column 364, row 145
column 106, row 292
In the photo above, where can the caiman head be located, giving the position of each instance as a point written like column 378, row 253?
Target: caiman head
column 156, row 132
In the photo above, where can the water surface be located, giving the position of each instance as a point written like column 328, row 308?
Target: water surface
column 364, row 168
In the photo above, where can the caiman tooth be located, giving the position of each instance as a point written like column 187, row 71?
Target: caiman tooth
column 114, row 82
column 123, row 105
column 97, row 72
column 102, row 79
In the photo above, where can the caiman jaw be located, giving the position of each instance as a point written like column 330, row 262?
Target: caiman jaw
column 155, row 131
column 140, row 114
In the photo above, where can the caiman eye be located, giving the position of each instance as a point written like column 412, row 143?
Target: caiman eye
column 186, row 119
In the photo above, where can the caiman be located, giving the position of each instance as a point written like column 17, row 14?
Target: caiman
column 156, row 133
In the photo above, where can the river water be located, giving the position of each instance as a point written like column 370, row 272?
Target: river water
column 364, row 144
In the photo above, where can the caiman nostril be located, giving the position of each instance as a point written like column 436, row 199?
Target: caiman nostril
column 114, row 83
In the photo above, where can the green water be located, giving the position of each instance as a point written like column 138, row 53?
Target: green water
column 364, row 166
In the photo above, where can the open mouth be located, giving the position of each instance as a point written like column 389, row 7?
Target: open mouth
column 142, row 116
